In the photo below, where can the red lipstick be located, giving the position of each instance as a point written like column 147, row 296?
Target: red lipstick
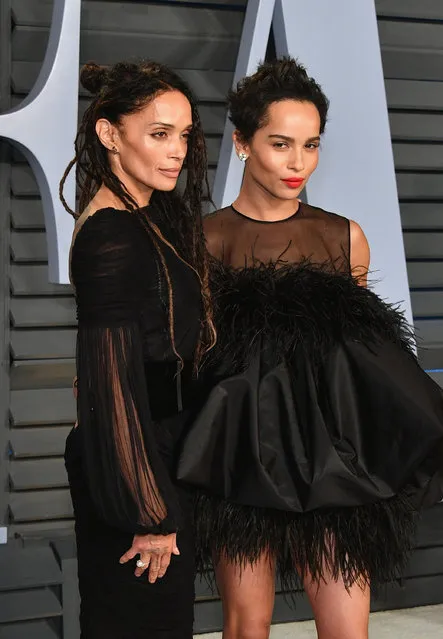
column 294, row 183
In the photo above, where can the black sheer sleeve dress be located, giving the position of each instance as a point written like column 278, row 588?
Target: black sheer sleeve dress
column 133, row 400
column 322, row 437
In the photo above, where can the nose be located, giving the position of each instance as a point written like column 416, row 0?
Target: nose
column 297, row 160
column 177, row 149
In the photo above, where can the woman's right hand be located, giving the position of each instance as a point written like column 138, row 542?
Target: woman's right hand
column 155, row 554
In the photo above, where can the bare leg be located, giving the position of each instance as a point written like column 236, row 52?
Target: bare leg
column 339, row 613
column 248, row 598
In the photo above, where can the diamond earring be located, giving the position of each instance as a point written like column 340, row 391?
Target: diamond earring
column 242, row 156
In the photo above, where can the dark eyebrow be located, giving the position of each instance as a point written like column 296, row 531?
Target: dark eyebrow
column 289, row 139
column 169, row 126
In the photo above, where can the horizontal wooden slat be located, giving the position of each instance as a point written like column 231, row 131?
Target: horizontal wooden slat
column 425, row 274
column 146, row 18
column 422, row 215
column 425, row 9
column 431, row 358
column 422, row 157
column 109, row 47
column 43, row 344
column 24, row 568
column 43, row 373
column 29, row 604
column 413, row 65
column 37, row 474
column 420, row 186
column 410, row 35
column 414, row 94
column 38, row 442
column 429, row 331
column 23, row 182
column 416, row 126
column 424, row 245
column 36, row 529
column 437, row 376
column 38, row 344
column 40, row 505
column 29, row 629
column 56, row 311
column 34, row 280
column 213, row 150
column 419, row 591
column 56, row 347
column 427, row 303
column 29, row 246
column 27, row 214
column 430, row 530
column 208, row 85
column 425, row 562
column 55, row 406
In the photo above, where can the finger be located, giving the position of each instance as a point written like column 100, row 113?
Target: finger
column 175, row 549
column 164, row 563
column 130, row 554
column 146, row 559
column 154, row 568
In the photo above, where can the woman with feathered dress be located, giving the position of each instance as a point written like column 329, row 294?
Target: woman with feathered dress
column 322, row 437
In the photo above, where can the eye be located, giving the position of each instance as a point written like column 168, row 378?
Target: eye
column 159, row 134
column 313, row 145
column 186, row 135
column 280, row 145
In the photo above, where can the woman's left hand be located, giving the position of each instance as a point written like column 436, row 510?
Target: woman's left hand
column 155, row 553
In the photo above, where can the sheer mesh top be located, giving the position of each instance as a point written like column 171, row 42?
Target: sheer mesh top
column 310, row 234
column 123, row 325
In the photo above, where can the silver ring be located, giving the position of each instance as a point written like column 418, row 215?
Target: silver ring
column 140, row 563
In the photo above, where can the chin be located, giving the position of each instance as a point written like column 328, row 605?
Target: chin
column 165, row 185
column 290, row 196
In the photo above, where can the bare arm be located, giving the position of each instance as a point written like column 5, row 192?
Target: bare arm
column 360, row 254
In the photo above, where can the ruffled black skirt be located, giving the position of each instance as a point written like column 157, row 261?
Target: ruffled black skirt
column 322, row 437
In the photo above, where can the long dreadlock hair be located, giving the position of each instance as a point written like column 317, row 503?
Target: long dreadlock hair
column 123, row 89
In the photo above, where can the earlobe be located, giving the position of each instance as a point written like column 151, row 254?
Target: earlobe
column 105, row 134
column 240, row 147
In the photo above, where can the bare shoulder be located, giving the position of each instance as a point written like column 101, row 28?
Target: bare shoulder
column 215, row 231
column 360, row 252
column 89, row 210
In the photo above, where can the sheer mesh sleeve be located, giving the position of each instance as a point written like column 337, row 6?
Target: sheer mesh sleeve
column 128, row 482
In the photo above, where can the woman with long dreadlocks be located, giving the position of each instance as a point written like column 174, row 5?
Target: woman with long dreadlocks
column 138, row 269
column 322, row 436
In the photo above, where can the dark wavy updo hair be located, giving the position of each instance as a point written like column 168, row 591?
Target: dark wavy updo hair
column 280, row 79
column 121, row 90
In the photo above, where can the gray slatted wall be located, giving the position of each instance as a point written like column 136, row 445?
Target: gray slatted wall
column 42, row 323
column 411, row 37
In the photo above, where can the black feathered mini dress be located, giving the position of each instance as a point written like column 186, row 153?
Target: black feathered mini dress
column 322, row 438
